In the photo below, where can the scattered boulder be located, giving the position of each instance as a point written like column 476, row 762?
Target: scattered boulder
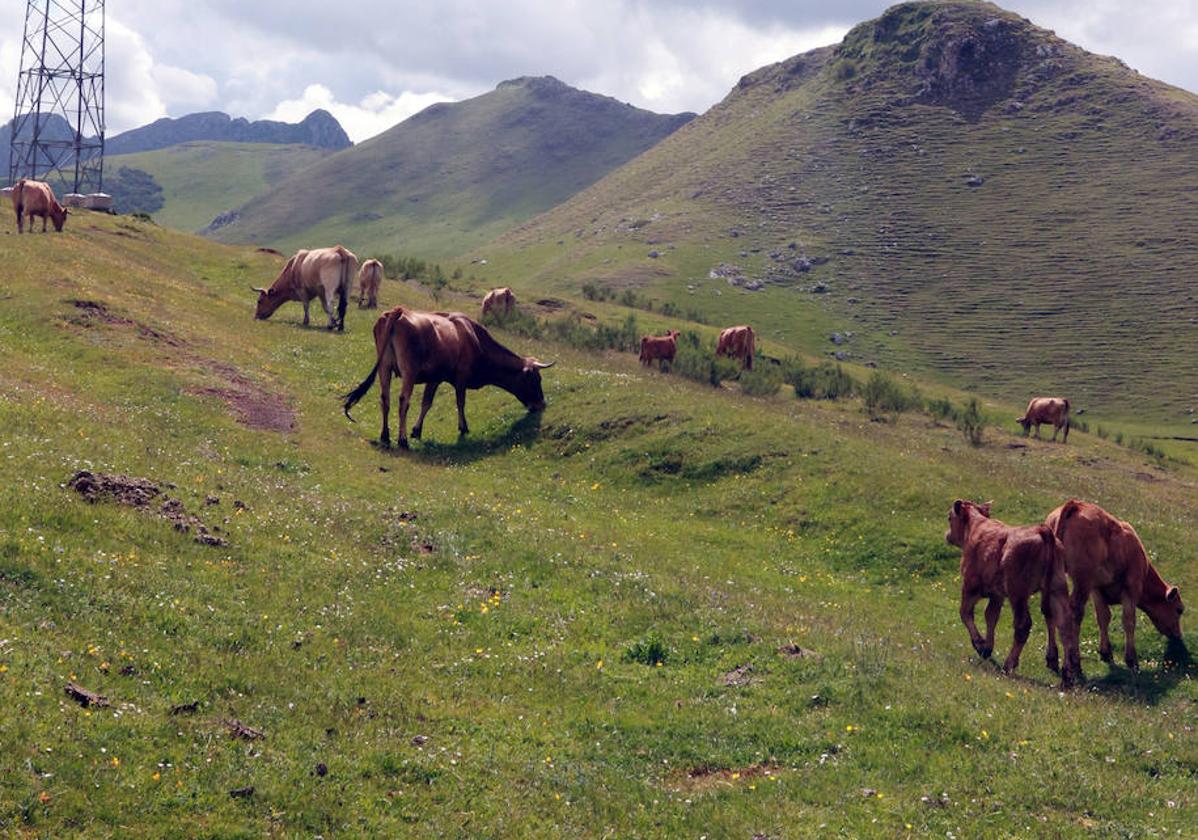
column 974, row 181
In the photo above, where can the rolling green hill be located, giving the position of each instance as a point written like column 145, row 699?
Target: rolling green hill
column 456, row 174
column 966, row 194
column 203, row 179
column 659, row 609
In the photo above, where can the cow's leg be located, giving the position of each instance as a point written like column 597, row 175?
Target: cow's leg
column 993, row 611
column 1023, row 628
column 1037, row 435
column 1102, row 613
column 1129, row 631
column 968, row 602
column 43, row 224
column 430, row 391
column 20, row 220
column 385, row 402
column 463, row 429
column 1051, row 656
column 405, row 399
column 1065, row 439
column 306, row 301
column 326, row 300
column 1055, row 431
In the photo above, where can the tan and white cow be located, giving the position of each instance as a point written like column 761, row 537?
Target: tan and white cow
column 322, row 273
column 369, row 280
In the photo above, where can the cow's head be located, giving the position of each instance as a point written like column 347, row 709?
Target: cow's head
column 268, row 302
column 672, row 334
column 1165, row 612
column 59, row 217
column 527, row 387
column 958, row 520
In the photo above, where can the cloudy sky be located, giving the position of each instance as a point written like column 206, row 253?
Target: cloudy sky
column 374, row 62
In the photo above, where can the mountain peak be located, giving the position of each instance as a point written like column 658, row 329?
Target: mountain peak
column 319, row 128
column 539, row 84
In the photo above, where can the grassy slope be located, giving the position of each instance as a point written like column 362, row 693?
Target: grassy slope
column 1068, row 270
column 455, row 175
column 203, row 179
column 638, row 508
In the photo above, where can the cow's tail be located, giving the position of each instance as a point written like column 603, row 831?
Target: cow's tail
column 353, row 397
column 1068, row 511
column 750, row 350
column 1068, row 418
column 347, row 280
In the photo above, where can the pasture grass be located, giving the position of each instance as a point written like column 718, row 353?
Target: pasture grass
column 659, row 609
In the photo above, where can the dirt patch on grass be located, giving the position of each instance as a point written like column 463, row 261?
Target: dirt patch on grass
column 253, row 407
column 739, row 677
column 705, row 778
column 141, row 493
column 91, row 313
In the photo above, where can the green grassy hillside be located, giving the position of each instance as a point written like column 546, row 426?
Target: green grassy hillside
column 455, row 175
column 971, row 196
column 202, row 179
column 657, row 610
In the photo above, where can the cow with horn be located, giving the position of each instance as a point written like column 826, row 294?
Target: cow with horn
column 322, row 273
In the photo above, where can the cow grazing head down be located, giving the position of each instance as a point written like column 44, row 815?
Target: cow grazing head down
column 58, row 216
column 958, row 520
column 1165, row 613
column 268, row 301
column 526, row 387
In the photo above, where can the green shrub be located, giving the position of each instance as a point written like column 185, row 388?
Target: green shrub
column 971, row 422
column 764, row 380
column 942, row 409
column 825, row 382
column 697, row 360
column 884, row 395
column 650, row 651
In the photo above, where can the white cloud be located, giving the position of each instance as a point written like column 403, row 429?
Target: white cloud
column 183, row 90
column 374, row 113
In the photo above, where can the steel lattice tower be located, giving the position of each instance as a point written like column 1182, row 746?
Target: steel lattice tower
column 58, row 121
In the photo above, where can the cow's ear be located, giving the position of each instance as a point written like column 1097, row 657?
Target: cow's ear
column 1173, row 595
column 957, row 507
column 985, row 508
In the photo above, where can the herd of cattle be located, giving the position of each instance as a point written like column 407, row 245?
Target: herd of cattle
column 1078, row 542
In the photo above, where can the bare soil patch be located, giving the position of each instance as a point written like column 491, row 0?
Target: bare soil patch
column 141, row 493
column 707, row 778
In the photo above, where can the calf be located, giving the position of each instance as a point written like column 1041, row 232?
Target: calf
column 1107, row 563
column 35, row 198
column 660, row 347
column 370, row 277
column 1053, row 410
column 1000, row 561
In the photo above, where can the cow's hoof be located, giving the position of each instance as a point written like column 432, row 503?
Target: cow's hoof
column 385, row 442
column 1133, row 665
column 983, row 650
column 417, row 432
column 403, row 443
column 1106, row 656
column 1053, row 664
column 463, row 432
column 1009, row 667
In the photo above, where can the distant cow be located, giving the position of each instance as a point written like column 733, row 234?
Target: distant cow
column 1000, row 561
column 369, row 279
column 738, row 343
column 321, row 273
column 431, row 348
column 1107, row 562
column 35, row 198
column 1053, row 410
column 499, row 301
column 661, row 347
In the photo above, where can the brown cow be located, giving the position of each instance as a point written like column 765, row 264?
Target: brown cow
column 1000, row 561
column 1107, row 562
column 499, row 300
column 35, row 198
column 1053, row 410
column 662, row 347
column 369, row 280
column 738, row 343
column 436, row 347
column 321, row 273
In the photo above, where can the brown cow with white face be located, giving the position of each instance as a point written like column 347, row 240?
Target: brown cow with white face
column 1000, row 561
column 1107, row 563
column 1054, row 410
column 369, row 280
column 35, row 198
column 659, row 347
column 436, row 347
column 322, row 273
column 499, row 301
column 738, row 343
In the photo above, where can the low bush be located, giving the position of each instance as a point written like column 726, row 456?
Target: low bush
column 885, row 395
column 762, row 381
column 971, row 422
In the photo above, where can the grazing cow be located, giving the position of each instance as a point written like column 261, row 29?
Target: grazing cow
column 738, row 343
column 369, row 279
column 1000, row 561
column 35, row 198
column 499, row 300
column 662, row 347
column 321, row 273
column 436, row 347
column 1107, row 562
column 1053, row 410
